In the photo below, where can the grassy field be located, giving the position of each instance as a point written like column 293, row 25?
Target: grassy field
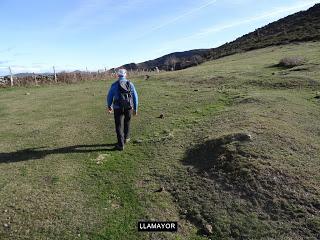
column 236, row 156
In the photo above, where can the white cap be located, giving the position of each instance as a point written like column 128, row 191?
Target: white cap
column 122, row 72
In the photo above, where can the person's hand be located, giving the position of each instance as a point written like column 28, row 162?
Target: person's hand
column 109, row 109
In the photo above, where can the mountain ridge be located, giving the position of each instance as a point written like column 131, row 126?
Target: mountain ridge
column 297, row 27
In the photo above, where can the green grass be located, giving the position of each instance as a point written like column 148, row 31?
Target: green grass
column 59, row 178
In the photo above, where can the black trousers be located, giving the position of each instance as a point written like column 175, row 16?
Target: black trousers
column 122, row 120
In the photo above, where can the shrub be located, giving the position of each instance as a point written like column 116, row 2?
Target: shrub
column 290, row 62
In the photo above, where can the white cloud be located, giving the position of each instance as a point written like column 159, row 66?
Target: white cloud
column 92, row 13
column 20, row 68
column 39, row 68
column 42, row 68
column 83, row 15
column 6, row 50
column 179, row 17
column 185, row 14
column 4, row 62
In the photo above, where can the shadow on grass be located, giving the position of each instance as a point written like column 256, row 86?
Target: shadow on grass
column 38, row 153
column 216, row 155
column 277, row 66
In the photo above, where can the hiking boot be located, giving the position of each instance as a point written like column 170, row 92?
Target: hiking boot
column 119, row 148
column 127, row 140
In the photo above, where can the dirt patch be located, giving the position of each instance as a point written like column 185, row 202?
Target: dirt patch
column 212, row 81
column 250, row 100
column 225, row 186
column 288, row 82
column 50, row 180
column 221, row 156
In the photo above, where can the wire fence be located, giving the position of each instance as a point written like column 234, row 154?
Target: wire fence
column 34, row 79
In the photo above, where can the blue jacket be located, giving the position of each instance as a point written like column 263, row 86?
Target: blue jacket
column 114, row 93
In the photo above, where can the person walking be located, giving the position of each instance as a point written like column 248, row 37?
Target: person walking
column 122, row 99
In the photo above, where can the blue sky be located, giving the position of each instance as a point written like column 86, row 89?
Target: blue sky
column 75, row 34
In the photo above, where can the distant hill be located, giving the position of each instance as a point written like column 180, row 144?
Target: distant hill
column 28, row 74
column 298, row 27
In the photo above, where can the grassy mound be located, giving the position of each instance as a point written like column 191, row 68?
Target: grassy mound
column 229, row 188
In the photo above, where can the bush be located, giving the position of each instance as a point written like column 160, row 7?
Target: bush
column 290, row 62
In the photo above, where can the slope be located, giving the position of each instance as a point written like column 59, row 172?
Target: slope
column 236, row 155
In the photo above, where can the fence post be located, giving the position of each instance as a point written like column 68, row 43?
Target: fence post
column 88, row 74
column 55, row 74
column 11, row 77
column 35, row 78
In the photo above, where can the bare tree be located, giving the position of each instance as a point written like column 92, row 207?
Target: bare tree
column 173, row 60
column 197, row 59
column 167, row 63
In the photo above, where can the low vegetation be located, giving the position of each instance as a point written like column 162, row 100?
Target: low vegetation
column 290, row 62
column 29, row 79
column 230, row 149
